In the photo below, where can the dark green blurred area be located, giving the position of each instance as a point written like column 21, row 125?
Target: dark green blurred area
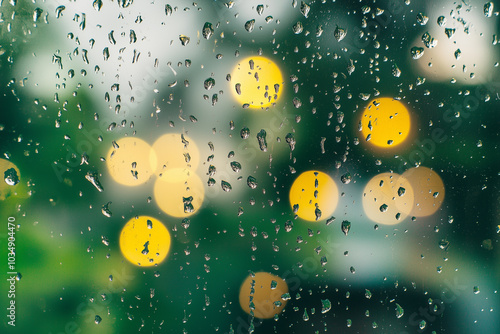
column 68, row 252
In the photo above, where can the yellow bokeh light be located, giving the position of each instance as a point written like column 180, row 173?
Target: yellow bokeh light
column 256, row 82
column 174, row 150
column 385, row 122
column 144, row 241
column 268, row 290
column 179, row 192
column 428, row 188
column 388, row 198
column 131, row 162
column 6, row 189
column 316, row 195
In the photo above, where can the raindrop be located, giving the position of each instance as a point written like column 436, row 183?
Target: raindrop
column 260, row 9
column 422, row 19
column 298, row 28
column 168, row 10
column 184, row 40
column 290, row 139
column 441, row 21
column 252, row 182
column 245, row 133
column 97, row 4
column 235, row 166
column 209, row 83
column 488, row 9
column 476, row 290
column 368, row 294
column 250, row 25
column 428, row 40
column 226, row 186
column 401, row 191
column 97, row 320
column 346, row 178
column 339, row 33
column 11, row 177
column 304, row 9
column 261, row 137
column 208, row 30
column 399, row 311
column 326, row 305
column 345, row 226
column 417, row 52
column 383, row 208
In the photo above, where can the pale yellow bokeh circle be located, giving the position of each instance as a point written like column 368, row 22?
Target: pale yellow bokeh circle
column 144, row 241
column 313, row 190
column 131, row 163
column 387, row 197
column 428, row 188
column 7, row 190
column 256, row 81
column 389, row 121
column 179, row 192
column 262, row 300
column 174, row 150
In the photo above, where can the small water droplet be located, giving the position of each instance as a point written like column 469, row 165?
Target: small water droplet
column 345, row 227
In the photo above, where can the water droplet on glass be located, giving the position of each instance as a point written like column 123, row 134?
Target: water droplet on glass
column 428, row 40
column 250, row 25
column 209, row 83
column 399, row 311
column 441, row 21
column 226, row 186
column 416, row 52
column 298, row 28
column 345, row 226
column 383, row 208
column 339, row 33
column 208, row 30
column 346, row 178
column 184, row 40
column 488, row 9
column 422, row 19
column 261, row 137
column 11, row 177
column 476, row 290
column 235, row 166
column 290, row 139
column 245, row 133
column 252, row 182
column 97, row 320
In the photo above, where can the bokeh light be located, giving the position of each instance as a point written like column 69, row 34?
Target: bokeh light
column 144, row 241
column 428, row 189
column 174, row 150
column 388, row 198
column 265, row 301
column 179, row 192
column 256, row 82
column 316, row 195
column 9, row 178
column 130, row 161
column 385, row 122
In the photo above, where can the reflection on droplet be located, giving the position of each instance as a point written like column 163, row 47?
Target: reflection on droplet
column 144, row 246
column 428, row 190
column 313, row 190
column 257, row 295
column 179, row 192
column 126, row 153
column 382, row 202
